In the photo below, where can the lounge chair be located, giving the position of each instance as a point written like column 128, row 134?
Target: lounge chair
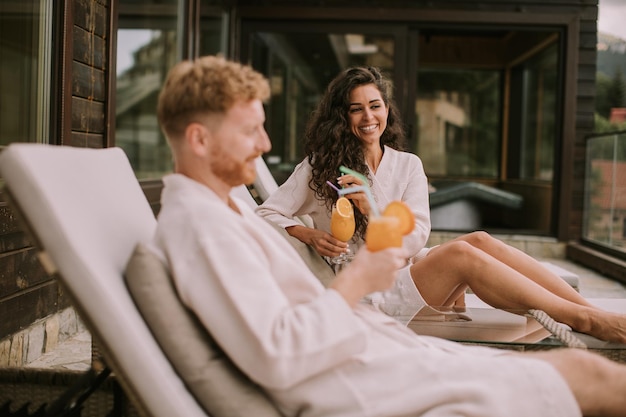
column 87, row 214
column 265, row 184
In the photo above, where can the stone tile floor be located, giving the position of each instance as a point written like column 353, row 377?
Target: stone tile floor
column 75, row 353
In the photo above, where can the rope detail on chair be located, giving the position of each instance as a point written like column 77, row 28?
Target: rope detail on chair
column 561, row 332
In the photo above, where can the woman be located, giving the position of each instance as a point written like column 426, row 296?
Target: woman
column 357, row 125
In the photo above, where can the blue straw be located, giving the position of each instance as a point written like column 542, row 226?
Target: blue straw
column 367, row 192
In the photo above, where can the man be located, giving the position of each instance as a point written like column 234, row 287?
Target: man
column 317, row 351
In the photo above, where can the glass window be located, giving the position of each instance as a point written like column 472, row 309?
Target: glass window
column 300, row 66
column 25, row 68
column 146, row 49
column 458, row 113
column 148, row 45
column 539, row 115
column 213, row 32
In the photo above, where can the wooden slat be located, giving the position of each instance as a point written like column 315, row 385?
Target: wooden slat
column 20, row 270
column 86, row 140
column 91, row 16
column 20, row 312
column 12, row 242
column 89, row 49
column 605, row 264
column 88, row 82
column 587, row 72
column 8, row 222
column 87, row 116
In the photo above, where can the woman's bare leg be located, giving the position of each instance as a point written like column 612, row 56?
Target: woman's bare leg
column 447, row 271
column 524, row 264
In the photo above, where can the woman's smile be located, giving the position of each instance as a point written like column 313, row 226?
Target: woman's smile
column 367, row 113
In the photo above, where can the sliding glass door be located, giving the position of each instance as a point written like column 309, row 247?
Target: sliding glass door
column 300, row 61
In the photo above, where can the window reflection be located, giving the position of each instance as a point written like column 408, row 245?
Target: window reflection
column 138, row 84
column 459, row 122
column 148, row 41
column 25, row 48
column 146, row 50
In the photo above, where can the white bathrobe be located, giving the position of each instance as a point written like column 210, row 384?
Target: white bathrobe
column 400, row 176
column 312, row 353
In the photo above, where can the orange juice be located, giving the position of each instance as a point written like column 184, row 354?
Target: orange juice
column 342, row 227
column 383, row 232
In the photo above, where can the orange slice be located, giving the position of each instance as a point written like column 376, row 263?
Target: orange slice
column 403, row 213
column 344, row 207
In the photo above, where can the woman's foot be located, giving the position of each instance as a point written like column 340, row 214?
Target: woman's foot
column 607, row 326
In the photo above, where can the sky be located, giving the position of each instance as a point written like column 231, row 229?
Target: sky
column 612, row 17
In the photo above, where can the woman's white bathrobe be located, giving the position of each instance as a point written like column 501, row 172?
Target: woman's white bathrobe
column 400, row 176
column 313, row 354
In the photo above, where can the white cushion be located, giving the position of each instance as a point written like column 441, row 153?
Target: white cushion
column 264, row 184
column 211, row 376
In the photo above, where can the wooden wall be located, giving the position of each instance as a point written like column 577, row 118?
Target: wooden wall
column 90, row 46
column 27, row 293
column 585, row 105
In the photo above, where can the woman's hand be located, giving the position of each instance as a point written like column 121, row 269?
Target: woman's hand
column 359, row 199
column 323, row 243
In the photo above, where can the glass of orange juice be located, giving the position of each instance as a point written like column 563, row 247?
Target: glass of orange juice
column 342, row 227
column 386, row 231
column 383, row 232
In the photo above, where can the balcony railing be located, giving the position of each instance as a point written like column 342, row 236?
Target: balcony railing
column 604, row 216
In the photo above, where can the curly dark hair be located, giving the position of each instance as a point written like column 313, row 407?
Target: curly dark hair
column 329, row 141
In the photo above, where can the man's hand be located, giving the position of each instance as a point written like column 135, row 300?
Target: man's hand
column 369, row 272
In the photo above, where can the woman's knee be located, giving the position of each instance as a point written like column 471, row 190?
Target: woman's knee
column 459, row 251
column 478, row 238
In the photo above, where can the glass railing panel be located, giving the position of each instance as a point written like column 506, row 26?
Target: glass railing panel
column 604, row 217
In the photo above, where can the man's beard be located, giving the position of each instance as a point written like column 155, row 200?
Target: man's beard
column 233, row 172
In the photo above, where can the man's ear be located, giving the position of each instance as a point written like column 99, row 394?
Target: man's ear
column 197, row 137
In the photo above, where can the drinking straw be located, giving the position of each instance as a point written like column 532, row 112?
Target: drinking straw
column 332, row 186
column 365, row 188
column 367, row 192
column 352, row 172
